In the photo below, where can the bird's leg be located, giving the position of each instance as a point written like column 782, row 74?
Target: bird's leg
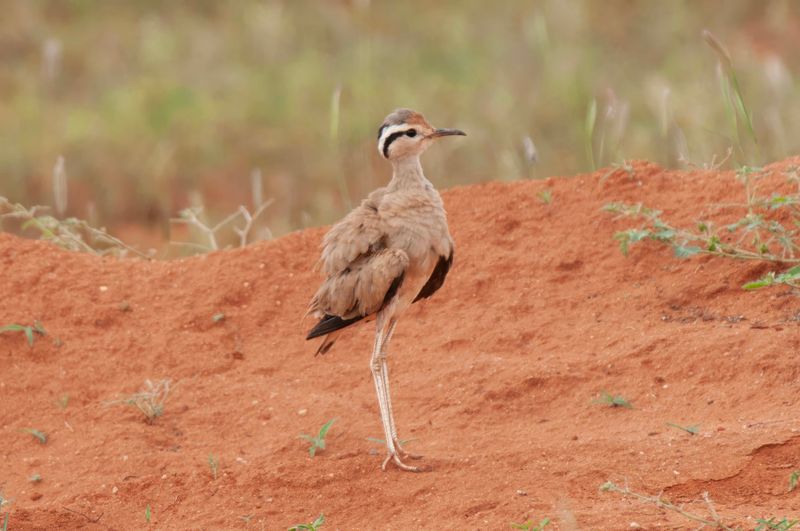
column 382, row 392
column 388, row 397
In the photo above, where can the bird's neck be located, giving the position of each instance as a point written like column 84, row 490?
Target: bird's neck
column 407, row 173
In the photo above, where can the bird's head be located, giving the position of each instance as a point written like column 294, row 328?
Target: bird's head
column 406, row 133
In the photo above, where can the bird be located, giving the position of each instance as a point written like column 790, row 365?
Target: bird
column 391, row 251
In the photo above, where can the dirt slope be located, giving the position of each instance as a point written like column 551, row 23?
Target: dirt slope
column 493, row 378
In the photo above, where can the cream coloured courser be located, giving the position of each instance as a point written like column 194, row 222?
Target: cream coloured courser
column 389, row 252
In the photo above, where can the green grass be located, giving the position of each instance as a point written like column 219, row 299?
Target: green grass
column 691, row 430
column 147, row 514
column 612, row 400
column 531, row 525
column 793, row 479
column 30, row 331
column 36, row 434
column 312, row 526
column 295, row 91
column 63, row 401
column 317, row 442
column 213, row 465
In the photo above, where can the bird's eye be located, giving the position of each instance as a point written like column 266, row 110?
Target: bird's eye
column 411, row 132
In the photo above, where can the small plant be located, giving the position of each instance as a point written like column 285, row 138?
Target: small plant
column 193, row 218
column 147, row 513
column 545, row 196
column 775, row 524
column 150, row 400
column 790, row 277
column 612, row 401
column 691, row 430
column 71, row 233
column 318, row 442
column 3, row 502
column 793, row 479
column 530, row 525
column 760, row 234
column 313, row 526
column 36, row 434
column 63, row 401
column 213, row 464
column 29, row 331
column 713, row 521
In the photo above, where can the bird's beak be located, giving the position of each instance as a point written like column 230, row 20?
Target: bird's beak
column 446, row 132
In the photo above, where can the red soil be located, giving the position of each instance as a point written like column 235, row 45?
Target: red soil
column 493, row 377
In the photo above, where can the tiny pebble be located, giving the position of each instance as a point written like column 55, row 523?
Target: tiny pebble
column 521, row 492
column 114, row 489
column 302, row 412
column 103, row 288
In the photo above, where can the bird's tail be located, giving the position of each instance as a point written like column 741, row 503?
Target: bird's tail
column 327, row 343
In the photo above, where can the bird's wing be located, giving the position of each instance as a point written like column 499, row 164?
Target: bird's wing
column 359, row 233
column 360, row 290
column 362, row 275
column 437, row 277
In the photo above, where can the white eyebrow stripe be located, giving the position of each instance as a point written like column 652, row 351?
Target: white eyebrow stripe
column 389, row 131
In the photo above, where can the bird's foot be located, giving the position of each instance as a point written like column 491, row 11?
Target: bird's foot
column 395, row 458
column 404, row 453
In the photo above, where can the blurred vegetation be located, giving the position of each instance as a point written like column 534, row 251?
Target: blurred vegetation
column 161, row 106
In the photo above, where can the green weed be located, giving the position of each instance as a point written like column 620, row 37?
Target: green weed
column 318, row 442
column 63, row 401
column 35, row 478
column 775, row 524
column 613, row 401
column 545, row 196
column 213, row 464
column 530, row 525
column 691, row 430
column 147, row 513
column 30, row 331
column 5, row 522
column 794, row 477
column 757, row 235
column 36, row 434
column 313, row 526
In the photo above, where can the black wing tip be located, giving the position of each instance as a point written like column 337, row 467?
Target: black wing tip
column 437, row 278
column 328, row 324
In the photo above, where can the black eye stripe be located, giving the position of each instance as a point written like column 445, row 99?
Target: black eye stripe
column 389, row 139
column 380, row 130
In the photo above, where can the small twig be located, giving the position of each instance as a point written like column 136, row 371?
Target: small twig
column 716, row 521
column 90, row 519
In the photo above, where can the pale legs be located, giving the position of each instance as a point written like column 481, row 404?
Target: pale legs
column 380, row 376
column 385, row 376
